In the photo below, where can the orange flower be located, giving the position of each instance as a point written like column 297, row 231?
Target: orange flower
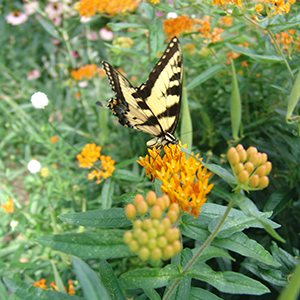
column 8, row 206
column 176, row 26
column 54, row 139
column 184, row 180
column 244, row 63
column 41, row 283
column 89, row 8
column 86, row 72
column 89, row 154
column 53, row 285
column 71, row 290
column 226, row 21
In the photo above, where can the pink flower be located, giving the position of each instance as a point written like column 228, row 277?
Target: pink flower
column 16, row 17
column 54, row 9
column 30, row 8
column 33, row 74
column 105, row 34
column 92, row 35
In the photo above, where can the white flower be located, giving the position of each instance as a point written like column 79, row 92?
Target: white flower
column 39, row 100
column 16, row 17
column 106, row 35
column 172, row 15
column 34, row 166
column 13, row 224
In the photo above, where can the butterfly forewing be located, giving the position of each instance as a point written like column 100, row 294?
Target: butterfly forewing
column 153, row 107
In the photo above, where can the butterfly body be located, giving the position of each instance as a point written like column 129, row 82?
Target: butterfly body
column 154, row 106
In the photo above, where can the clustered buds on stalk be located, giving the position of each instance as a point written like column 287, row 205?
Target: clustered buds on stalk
column 249, row 167
column 153, row 238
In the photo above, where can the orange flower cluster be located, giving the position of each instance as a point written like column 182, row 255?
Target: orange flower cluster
column 8, row 206
column 89, row 8
column 272, row 7
column 176, row 26
column 185, row 181
column 286, row 39
column 42, row 284
column 205, row 30
column 87, row 72
column 89, row 155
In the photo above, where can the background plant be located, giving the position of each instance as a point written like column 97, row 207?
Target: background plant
column 241, row 66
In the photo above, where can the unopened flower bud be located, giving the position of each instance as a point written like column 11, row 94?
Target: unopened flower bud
column 243, row 176
column 233, row 156
column 143, row 238
column 166, row 222
column 264, row 158
column 268, row 164
column 152, row 233
column 134, row 246
column 256, row 159
column 251, row 151
column 238, row 168
column 239, row 148
column 155, row 223
column 161, row 203
column 137, row 224
column 176, row 246
column 168, row 252
column 174, row 206
column 136, row 233
column 162, row 241
column 127, row 237
column 142, row 207
column 151, row 198
column 161, row 229
column 144, row 253
column 249, row 166
column 263, row 182
column 254, row 181
column 172, row 234
column 172, row 216
column 156, row 212
column 156, row 254
column 261, row 171
column 147, row 224
column 130, row 211
column 152, row 243
column 137, row 199
column 166, row 200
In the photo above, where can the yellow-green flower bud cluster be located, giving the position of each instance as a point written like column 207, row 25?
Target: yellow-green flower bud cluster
column 153, row 238
column 249, row 167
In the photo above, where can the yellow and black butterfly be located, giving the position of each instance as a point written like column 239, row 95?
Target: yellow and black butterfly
column 154, row 106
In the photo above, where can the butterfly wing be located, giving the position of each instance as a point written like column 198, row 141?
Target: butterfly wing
column 154, row 106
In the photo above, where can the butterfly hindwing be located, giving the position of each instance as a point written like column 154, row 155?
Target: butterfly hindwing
column 152, row 107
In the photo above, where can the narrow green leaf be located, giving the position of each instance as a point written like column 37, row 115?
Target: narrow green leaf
column 106, row 193
column 272, row 276
column 110, row 281
column 252, row 54
column 209, row 73
column 3, row 291
column 211, row 252
column 58, row 281
column 102, row 244
column 29, row 292
column 201, row 294
column 50, row 28
column 186, row 130
column 126, row 175
column 156, row 38
column 149, row 278
column 102, row 218
column 227, row 282
column 294, row 97
column 182, row 290
column 152, row 294
column 120, row 26
column 235, row 104
column 90, row 283
column 126, row 50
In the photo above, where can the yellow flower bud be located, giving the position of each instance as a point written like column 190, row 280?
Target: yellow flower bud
column 162, row 242
column 166, row 222
column 172, row 215
column 161, row 228
column 263, row 182
column 172, row 234
column 156, row 254
column 137, row 232
column 155, row 223
column 254, row 181
column 137, row 224
column 174, row 206
column 243, row 176
column 152, row 243
column 127, row 237
column 151, row 198
column 166, row 200
column 243, row 155
column 143, row 238
column 176, row 246
column 168, row 252
column 251, row 151
column 238, row 168
column 268, row 164
column 142, row 207
column 137, row 199
column 233, row 156
column 134, row 246
column 147, row 224
column 256, row 159
column 144, row 253
column 152, row 233
column 261, row 171
column 130, row 211
column 264, row 158
column 249, row 166
column 156, row 212
column 161, row 203
column 239, row 148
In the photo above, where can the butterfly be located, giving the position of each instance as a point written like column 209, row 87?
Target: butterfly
column 154, row 106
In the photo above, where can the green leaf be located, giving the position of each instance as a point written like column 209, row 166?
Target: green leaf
column 149, row 278
column 152, row 294
column 249, row 208
column 255, row 56
column 235, row 104
column 106, row 193
column 182, row 290
column 156, row 38
column 201, row 294
column 227, row 282
column 50, row 28
column 279, row 200
column 90, row 283
column 110, row 281
column 102, row 244
column 186, row 130
column 126, row 50
column 294, row 97
column 209, row 73
column 211, row 252
column 272, row 276
column 126, row 175
column 120, row 26
column 29, row 292
column 107, row 218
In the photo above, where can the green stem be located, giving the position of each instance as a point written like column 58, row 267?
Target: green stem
column 203, row 247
